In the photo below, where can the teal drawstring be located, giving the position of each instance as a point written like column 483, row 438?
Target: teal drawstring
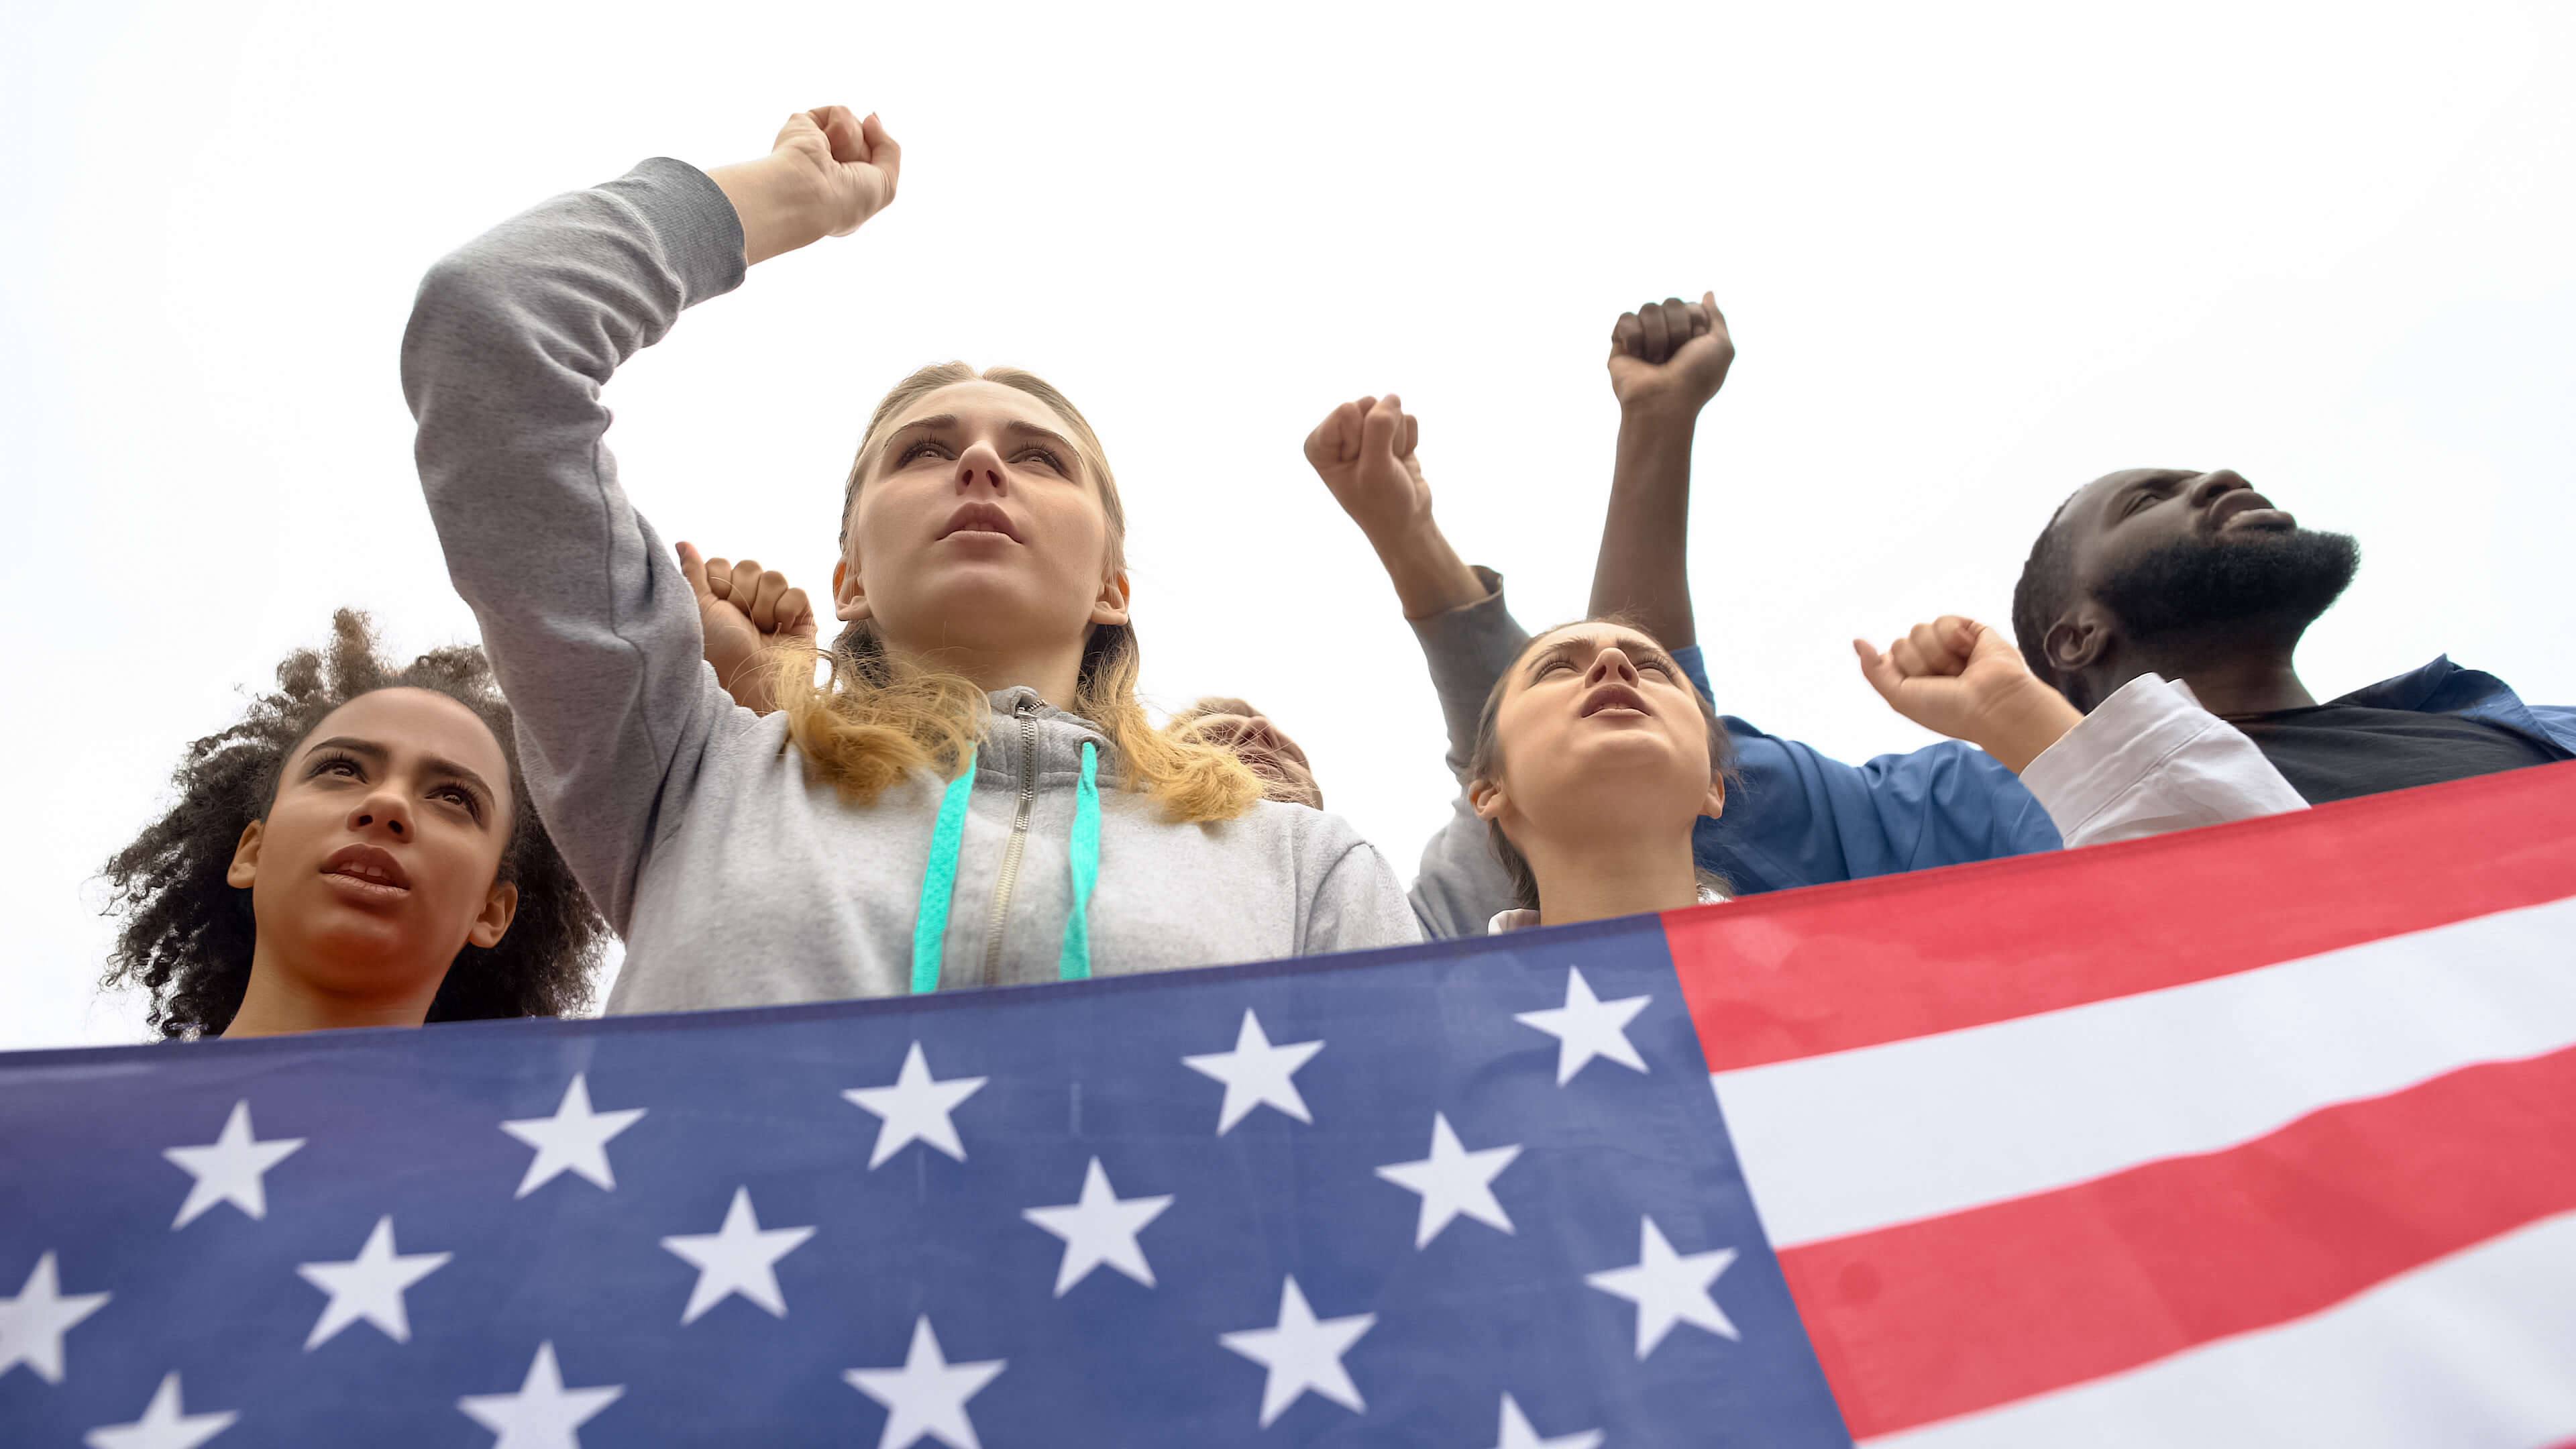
column 939, row 880
column 1073, row 963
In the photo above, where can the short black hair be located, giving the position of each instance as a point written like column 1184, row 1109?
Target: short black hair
column 2045, row 589
column 187, row 932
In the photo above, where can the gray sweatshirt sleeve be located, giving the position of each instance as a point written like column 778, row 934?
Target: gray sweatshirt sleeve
column 1359, row 906
column 591, row 629
column 1461, row 885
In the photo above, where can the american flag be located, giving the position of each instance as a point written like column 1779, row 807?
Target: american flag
column 2257, row 1135
column 1473, row 1195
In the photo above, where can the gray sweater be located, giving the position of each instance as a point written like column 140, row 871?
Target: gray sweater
column 737, row 877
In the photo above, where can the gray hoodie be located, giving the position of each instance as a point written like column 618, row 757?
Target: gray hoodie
column 735, row 875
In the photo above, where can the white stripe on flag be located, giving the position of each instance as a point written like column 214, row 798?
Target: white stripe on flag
column 1865, row 1139
column 2473, row 1351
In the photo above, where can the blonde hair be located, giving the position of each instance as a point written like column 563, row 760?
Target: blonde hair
column 876, row 717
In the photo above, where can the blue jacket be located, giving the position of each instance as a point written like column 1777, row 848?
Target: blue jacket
column 1800, row 818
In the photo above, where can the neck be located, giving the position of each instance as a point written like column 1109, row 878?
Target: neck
column 2235, row 671
column 1054, row 672
column 281, row 1000
column 1596, row 879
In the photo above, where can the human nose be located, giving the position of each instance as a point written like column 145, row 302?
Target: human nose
column 383, row 810
column 1611, row 664
column 2208, row 488
column 980, row 466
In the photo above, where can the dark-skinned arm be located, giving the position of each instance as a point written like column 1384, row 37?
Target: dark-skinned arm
column 1667, row 360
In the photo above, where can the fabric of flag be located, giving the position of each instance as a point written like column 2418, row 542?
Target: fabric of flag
column 2258, row 1135
column 1473, row 1195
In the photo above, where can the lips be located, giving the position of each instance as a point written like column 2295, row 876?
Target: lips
column 368, row 872
column 1614, row 696
column 2243, row 503
column 981, row 517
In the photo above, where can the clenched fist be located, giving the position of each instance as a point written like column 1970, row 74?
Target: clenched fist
column 1670, row 353
column 1967, row 681
column 828, row 171
column 1364, row 453
column 743, row 610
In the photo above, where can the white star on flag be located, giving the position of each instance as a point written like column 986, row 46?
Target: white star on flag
column 1099, row 1229
column 1453, row 1181
column 543, row 1414
column 228, row 1169
column 162, row 1425
column 926, row 1398
column 1668, row 1288
column 32, row 1324
column 1301, row 1354
column 915, row 1108
column 369, row 1286
column 574, row 1139
column 1256, row 1074
column 1517, row 1433
column 1586, row 1027
column 739, row 1257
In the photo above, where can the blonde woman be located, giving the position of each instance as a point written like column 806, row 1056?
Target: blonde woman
column 972, row 795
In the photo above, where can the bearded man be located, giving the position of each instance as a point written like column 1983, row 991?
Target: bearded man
column 2198, row 578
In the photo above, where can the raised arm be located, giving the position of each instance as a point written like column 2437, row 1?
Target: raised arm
column 591, row 628
column 1365, row 453
column 2148, row 760
column 1666, row 361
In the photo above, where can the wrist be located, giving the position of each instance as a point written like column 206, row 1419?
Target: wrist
column 2019, row 728
column 779, row 202
column 1660, row 412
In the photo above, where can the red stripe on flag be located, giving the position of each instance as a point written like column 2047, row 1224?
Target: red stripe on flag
column 1983, row 1307
column 1801, row 973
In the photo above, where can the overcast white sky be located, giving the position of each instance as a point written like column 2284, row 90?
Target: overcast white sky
column 1973, row 256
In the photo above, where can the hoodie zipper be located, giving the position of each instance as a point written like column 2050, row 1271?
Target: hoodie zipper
column 1018, row 846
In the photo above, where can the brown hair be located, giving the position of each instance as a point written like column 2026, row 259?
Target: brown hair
column 1486, row 764
column 874, row 717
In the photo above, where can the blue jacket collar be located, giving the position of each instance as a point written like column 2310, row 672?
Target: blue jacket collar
column 2443, row 687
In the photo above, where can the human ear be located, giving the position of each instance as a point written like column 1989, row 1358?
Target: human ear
column 1111, row 606
column 849, row 596
column 245, row 867
column 2077, row 642
column 493, row 922
column 1485, row 797
column 1713, row 804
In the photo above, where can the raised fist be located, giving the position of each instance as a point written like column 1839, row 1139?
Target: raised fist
column 1670, row 353
column 1966, row 680
column 743, row 610
column 850, row 160
column 1363, row 451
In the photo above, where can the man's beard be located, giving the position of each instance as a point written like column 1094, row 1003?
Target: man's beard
column 2194, row 586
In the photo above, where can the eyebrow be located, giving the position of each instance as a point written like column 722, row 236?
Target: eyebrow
column 939, row 421
column 1635, row 646
column 435, row 764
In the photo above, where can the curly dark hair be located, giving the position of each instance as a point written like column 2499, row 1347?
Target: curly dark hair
column 188, row 932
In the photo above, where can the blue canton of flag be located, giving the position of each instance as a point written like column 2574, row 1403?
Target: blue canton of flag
column 1473, row 1195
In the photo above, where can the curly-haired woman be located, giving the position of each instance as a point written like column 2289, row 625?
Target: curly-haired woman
column 357, row 851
